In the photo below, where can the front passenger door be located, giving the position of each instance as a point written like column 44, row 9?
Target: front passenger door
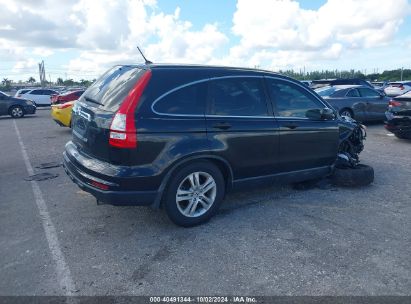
column 241, row 127
column 304, row 143
column 375, row 104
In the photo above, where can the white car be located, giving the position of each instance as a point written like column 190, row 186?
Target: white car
column 397, row 88
column 40, row 96
column 21, row 92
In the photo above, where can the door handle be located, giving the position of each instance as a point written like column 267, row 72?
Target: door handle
column 222, row 126
column 291, row 126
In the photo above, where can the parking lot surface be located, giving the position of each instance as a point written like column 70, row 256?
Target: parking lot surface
column 55, row 240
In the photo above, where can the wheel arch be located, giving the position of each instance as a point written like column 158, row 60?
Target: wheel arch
column 14, row 105
column 222, row 164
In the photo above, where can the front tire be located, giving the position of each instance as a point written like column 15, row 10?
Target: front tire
column 347, row 112
column 16, row 112
column 194, row 194
column 360, row 175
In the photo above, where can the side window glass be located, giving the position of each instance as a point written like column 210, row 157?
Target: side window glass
column 238, row 97
column 291, row 100
column 189, row 100
column 353, row 93
column 368, row 93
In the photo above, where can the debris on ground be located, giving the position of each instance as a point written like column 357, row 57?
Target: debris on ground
column 41, row 177
column 49, row 165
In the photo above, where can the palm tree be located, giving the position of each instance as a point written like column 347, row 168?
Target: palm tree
column 31, row 80
column 6, row 82
column 60, row 81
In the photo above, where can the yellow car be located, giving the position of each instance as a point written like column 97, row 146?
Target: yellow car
column 61, row 113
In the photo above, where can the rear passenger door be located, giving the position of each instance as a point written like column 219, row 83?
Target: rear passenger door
column 240, row 127
column 304, row 143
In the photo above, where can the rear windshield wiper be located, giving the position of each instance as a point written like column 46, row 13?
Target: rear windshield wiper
column 93, row 100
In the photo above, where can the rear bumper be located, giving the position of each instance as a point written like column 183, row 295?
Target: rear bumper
column 398, row 124
column 112, row 196
column 400, row 130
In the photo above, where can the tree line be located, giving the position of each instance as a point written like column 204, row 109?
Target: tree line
column 7, row 84
column 392, row 75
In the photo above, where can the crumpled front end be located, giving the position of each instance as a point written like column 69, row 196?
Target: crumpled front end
column 352, row 136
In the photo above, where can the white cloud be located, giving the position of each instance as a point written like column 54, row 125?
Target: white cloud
column 272, row 33
column 25, row 64
column 163, row 38
column 281, row 31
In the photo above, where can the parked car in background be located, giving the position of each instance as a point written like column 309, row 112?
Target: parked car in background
column 40, row 96
column 359, row 102
column 397, row 88
column 15, row 107
column 20, row 92
column 306, row 82
column 333, row 82
column 180, row 136
column 399, row 116
column 61, row 113
column 380, row 85
column 66, row 97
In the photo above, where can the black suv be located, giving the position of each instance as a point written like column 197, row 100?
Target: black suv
column 180, row 136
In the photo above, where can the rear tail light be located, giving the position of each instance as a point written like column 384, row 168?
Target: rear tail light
column 123, row 127
column 394, row 103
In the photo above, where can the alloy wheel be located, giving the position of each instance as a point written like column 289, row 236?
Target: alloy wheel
column 196, row 194
column 17, row 112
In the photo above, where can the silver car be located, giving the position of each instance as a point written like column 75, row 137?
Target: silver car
column 359, row 102
column 397, row 88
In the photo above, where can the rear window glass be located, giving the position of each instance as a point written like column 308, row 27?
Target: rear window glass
column 189, row 100
column 112, row 87
column 326, row 91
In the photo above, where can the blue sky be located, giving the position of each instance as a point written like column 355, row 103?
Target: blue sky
column 80, row 39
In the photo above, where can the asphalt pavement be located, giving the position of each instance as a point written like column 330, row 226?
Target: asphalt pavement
column 55, row 240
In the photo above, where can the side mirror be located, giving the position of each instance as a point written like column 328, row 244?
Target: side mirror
column 320, row 114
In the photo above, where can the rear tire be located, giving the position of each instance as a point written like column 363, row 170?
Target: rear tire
column 194, row 194
column 361, row 175
column 16, row 112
